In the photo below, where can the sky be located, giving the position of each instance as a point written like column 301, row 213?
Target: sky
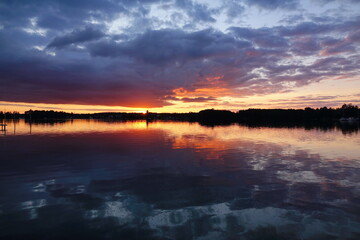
column 178, row 55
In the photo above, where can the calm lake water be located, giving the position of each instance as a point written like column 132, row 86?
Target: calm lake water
column 175, row 180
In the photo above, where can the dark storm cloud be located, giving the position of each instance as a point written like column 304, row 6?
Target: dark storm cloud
column 196, row 11
column 329, row 1
column 354, row 36
column 344, row 47
column 198, row 99
column 335, row 65
column 168, row 46
column 30, row 76
column 46, row 81
column 273, row 4
column 306, row 28
column 56, row 14
column 305, row 46
column 316, row 28
column 190, row 100
column 263, row 37
column 233, row 8
column 76, row 36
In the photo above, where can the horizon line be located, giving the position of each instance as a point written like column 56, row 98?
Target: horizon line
column 147, row 111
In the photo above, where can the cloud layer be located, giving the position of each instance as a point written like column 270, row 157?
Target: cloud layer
column 156, row 53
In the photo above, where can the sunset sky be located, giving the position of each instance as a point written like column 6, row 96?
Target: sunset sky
column 178, row 55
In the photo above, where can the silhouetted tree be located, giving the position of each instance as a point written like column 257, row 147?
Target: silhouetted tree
column 349, row 110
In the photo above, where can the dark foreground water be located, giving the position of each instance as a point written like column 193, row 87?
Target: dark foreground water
column 167, row 180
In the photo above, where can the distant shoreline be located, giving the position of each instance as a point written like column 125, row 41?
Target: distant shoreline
column 347, row 114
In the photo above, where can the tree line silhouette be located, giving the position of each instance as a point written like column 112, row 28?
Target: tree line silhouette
column 208, row 116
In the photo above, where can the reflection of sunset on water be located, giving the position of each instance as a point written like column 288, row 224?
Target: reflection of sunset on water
column 331, row 144
column 172, row 175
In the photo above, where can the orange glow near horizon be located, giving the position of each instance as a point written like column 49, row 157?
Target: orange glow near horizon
column 325, row 93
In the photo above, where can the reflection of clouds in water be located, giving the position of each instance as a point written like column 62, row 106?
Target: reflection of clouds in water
column 249, row 219
column 32, row 206
column 291, row 169
column 263, row 156
column 302, row 176
column 117, row 209
column 220, row 220
column 206, row 182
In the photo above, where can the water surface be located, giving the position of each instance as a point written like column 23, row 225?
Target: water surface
column 177, row 180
